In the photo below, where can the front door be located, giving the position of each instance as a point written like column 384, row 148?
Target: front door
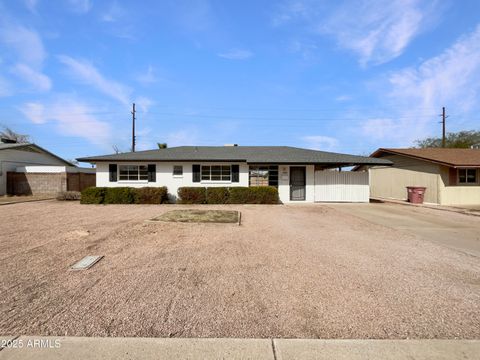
column 297, row 183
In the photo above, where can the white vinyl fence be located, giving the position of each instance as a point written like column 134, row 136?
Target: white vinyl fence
column 341, row 186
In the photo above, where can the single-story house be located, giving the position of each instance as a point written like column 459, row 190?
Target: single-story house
column 26, row 169
column 451, row 176
column 299, row 174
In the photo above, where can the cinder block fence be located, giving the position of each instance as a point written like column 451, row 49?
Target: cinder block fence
column 48, row 180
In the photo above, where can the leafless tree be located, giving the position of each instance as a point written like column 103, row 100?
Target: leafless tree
column 9, row 134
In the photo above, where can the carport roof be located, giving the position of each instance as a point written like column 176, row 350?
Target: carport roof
column 249, row 154
column 444, row 156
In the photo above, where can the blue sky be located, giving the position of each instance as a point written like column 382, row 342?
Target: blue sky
column 346, row 76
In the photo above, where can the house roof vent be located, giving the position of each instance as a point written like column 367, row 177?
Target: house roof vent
column 230, row 145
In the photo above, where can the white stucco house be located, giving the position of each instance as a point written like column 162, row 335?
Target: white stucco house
column 301, row 175
column 22, row 155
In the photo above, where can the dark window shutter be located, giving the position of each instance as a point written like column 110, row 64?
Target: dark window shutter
column 196, row 173
column 152, row 172
column 235, row 173
column 112, row 169
column 452, row 176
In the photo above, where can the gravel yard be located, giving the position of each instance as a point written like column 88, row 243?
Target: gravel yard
column 287, row 272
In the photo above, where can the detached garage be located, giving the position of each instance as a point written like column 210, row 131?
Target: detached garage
column 300, row 175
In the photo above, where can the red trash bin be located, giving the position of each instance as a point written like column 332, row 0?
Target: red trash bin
column 415, row 194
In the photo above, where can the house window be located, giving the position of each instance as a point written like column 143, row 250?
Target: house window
column 263, row 175
column 133, row 172
column 216, row 173
column 177, row 170
column 467, row 176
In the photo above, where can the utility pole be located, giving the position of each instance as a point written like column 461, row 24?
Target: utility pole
column 444, row 118
column 133, row 127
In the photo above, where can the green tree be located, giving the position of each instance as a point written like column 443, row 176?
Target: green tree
column 461, row 139
column 162, row 145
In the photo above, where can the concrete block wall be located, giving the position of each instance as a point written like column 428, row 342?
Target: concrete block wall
column 47, row 183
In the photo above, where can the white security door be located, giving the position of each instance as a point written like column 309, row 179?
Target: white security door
column 341, row 186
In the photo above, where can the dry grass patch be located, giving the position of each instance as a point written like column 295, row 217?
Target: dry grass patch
column 200, row 216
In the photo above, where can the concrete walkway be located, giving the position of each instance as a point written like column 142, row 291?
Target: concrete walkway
column 73, row 348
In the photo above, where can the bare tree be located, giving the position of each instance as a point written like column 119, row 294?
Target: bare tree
column 9, row 134
column 116, row 149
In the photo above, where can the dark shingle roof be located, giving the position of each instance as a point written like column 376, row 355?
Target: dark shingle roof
column 446, row 156
column 250, row 154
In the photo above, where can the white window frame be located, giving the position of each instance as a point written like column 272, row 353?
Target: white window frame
column 466, row 176
column 177, row 175
column 210, row 181
column 138, row 180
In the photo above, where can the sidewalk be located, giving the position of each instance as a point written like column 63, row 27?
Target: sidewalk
column 73, row 348
column 429, row 206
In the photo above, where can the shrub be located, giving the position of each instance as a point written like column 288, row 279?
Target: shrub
column 93, row 195
column 119, row 195
column 265, row 195
column 192, row 195
column 254, row 195
column 240, row 195
column 217, row 195
column 151, row 195
column 69, row 195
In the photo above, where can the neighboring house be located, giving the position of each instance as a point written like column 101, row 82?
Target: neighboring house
column 299, row 174
column 27, row 168
column 451, row 176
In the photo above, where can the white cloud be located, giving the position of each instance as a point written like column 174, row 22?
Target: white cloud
column 72, row 118
column 85, row 72
column 35, row 112
column 80, row 6
column 342, row 98
column 38, row 80
column 181, row 137
column 376, row 30
column 114, row 13
column 5, row 87
column 143, row 103
column 31, row 5
column 320, row 142
column 26, row 43
column 236, row 54
column 148, row 77
column 451, row 79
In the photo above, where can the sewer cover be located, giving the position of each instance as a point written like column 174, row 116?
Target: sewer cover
column 87, row 262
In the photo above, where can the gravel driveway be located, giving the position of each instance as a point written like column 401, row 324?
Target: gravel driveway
column 287, row 272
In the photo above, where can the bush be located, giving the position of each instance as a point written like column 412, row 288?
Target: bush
column 151, row 195
column 192, row 195
column 69, row 195
column 233, row 195
column 93, row 195
column 119, row 195
column 240, row 195
column 217, row 195
column 265, row 195
column 254, row 195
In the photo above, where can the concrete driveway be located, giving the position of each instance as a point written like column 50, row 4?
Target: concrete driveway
column 457, row 231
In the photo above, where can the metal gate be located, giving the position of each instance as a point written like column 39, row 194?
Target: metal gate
column 341, row 186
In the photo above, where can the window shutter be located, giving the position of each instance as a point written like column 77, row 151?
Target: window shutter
column 152, row 173
column 235, row 173
column 112, row 170
column 452, row 176
column 196, row 173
